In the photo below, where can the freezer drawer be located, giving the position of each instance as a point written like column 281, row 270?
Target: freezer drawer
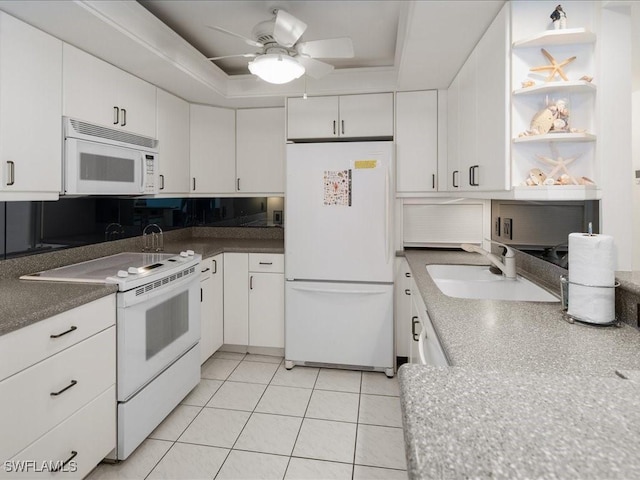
column 346, row 324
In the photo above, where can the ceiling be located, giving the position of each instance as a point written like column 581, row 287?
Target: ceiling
column 372, row 26
column 399, row 45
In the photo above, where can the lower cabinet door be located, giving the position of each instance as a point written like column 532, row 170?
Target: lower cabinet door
column 266, row 310
column 74, row 447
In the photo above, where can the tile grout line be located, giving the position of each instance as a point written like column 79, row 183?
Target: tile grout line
column 355, row 442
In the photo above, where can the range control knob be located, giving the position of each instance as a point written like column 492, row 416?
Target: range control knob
column 191, row 253
column 123, row 273
column 133, row 270
column 184, row 254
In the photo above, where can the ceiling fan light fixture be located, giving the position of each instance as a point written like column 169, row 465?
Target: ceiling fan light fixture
column 276, row 68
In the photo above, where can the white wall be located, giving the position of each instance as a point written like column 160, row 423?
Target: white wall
column 613, row 107
column 635, row 127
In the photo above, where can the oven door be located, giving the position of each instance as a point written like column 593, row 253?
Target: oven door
column 154, row 329
column 100, row 169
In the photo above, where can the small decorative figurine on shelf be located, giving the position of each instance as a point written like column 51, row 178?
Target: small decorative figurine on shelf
column 559, row 18
column 553, row 118
column 528, row 83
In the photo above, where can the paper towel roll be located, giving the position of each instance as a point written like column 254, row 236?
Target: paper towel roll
column 592, row 278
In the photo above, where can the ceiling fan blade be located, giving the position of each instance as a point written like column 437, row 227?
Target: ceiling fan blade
column 329, row 48
column 314, row 68
column 248, row 41
column 245, row 55
column 287, row 29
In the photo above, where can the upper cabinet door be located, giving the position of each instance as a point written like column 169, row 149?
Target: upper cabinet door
column 100, row 93
column 89, row 91
column 31, row 109
column 173, row 143
column 212, row 149
column 417, row 141
column 368, row 115
column 138, row 100
column 260, row 153
column 314, row 117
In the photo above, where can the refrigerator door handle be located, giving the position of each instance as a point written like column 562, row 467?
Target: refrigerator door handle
column 339, row 291
column 387, row 221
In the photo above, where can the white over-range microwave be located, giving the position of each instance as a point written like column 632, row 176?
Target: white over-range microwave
column 104, row 161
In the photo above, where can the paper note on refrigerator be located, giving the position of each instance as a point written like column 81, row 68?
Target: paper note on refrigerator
column 337, row 187
column 360, row 164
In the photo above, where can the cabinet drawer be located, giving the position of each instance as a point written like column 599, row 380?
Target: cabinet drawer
column 27, row 346
column 266, row 262
column 38, row 398
column 90, row 433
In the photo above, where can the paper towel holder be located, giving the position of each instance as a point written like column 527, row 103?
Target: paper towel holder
column 564, row 296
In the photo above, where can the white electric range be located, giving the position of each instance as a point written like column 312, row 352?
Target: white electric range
column 157, row 331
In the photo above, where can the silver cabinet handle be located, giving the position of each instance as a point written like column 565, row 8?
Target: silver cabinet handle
column 238, row 184
column 334, row 127
column 266, row 263
column 251, row 282
column 64, row 333
column 215, row 267
column 64, row 464
column 414, row 321
column 194, row 184
column 73, row 383
column 433, row 181
column 200, row 294
column 161, row 181
column 407, row 291
column 453, row 179
column 474, row 170
column 407, row 274
column 12, row 173
column 116, row 115
column 124, row 118
column 342, row 124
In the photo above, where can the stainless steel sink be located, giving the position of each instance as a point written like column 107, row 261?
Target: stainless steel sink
column 476, row 281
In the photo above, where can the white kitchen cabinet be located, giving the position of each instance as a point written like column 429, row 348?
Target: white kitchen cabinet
column 211, row 306
column 173, row 143
column 260, row 150
column 236, row 299
column 402, row 293
column 100, row 93
column 254, row 300
column 424, row 346
column 58, row 376
column 347, row 116
column 30, row 113
column 212, row 144
column 416, row 141
column 478, row 104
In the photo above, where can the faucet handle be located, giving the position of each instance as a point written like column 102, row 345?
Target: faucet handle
column 509, row 253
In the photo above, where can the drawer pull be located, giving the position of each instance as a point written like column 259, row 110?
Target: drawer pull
column 407, row 274
column 407, row 291
column 64, row 464
column 73, row 382
column 215, row 266
column 414, row 321
column 64, row 333
column 205, row 270
column 266, row 263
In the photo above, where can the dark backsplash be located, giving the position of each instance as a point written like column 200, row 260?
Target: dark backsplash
column 28, row 228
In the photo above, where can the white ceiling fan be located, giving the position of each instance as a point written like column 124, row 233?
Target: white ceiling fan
column 281, row 58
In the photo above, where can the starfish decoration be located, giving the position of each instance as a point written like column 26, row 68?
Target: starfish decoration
column 555, row 67
column 559, row 164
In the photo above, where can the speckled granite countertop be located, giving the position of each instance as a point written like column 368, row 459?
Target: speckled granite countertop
column 512, row 425
column 23, row 302
column 518, row 336
column 529, row 395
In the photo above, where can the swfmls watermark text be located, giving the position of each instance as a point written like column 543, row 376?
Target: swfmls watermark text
column 35, row 466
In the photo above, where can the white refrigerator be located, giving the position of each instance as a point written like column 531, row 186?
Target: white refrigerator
column 339, row 255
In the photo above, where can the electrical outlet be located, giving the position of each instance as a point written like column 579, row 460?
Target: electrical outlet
column 496, row 228
column 507, row 228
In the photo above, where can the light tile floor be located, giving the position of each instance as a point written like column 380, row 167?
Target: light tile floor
column 251, row 418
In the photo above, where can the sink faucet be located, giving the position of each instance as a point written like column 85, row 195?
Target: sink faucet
column 508, row 267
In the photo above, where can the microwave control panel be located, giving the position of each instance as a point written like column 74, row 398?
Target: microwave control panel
column 150, row 181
